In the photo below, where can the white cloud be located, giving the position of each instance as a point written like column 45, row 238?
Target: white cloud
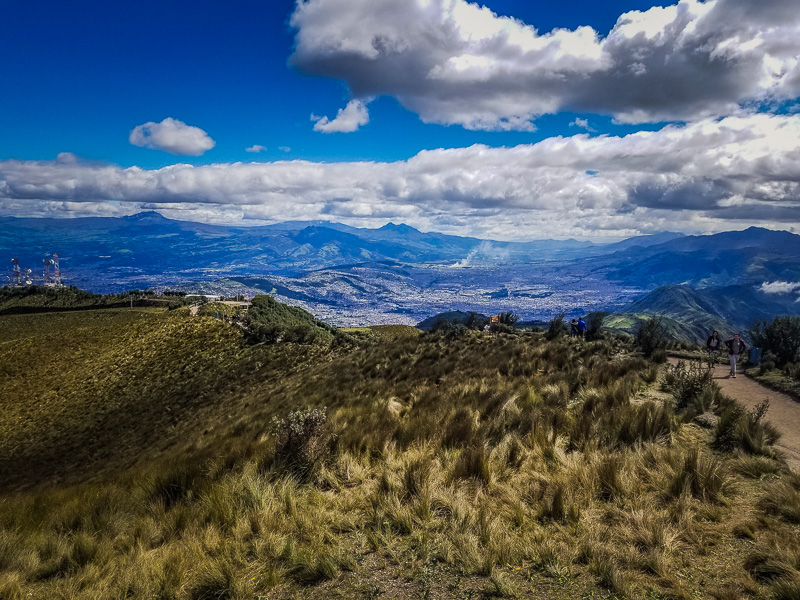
column 284, row 148
column 779, row 287
column 716, row 174
column 256, row 148
column 583, row 124
column 347, row 120
column 173, row 136
column 453, row 62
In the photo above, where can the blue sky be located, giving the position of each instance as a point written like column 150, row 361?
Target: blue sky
column 516, row 121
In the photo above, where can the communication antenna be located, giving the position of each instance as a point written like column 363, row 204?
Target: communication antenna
column 47, row 275
column 56, row 271
column 28, row 277
column 16, row 274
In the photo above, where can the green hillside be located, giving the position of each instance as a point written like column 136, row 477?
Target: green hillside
column 31, row 298
column 272, row 321
column 690, row 315
column 152, row 454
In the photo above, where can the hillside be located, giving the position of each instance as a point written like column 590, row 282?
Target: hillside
column 690, row 315
column 734, row 258
column 147, row 463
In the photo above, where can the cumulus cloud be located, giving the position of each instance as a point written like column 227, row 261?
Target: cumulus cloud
column 173, row 136
column 712, row 175
column 255, row 148
column 284, row 148
column 454, row 62
column 347, row 120
column 779, row 287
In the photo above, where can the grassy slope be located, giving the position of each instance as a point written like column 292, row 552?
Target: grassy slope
column 489, row 465
column 86, row 392
column 34, row 298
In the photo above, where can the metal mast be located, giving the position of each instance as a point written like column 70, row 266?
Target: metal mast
column 16, row 274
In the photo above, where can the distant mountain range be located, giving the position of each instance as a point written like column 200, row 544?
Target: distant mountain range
column 399, row 274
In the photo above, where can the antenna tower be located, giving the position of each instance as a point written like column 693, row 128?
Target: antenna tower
column 56, row 271
column 51, row 277
column 16, row 274
column 47, row 275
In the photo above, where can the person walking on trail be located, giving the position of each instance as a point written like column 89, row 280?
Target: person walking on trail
column 573, row 328
column 736, row 347
column 581, row 327
column 712, row 344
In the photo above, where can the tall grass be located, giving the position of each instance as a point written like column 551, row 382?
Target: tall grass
column 499, row 459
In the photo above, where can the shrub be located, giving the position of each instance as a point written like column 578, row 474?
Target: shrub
column 594, row 323
column 450, row 330
column 651, row 335
column 302, row 441
column 475, row 321
column 781, row 337
column 556, row 327
column 659, row 356
column 690, row 385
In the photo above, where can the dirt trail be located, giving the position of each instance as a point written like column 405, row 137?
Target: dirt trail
column 784, row 411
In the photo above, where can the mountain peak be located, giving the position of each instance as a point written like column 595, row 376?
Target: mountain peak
column 401, row 228
column 149, row 216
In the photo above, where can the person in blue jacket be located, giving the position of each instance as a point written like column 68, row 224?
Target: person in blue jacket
column 581, row 327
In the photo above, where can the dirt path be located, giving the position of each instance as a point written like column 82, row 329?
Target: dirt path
column 784, row 411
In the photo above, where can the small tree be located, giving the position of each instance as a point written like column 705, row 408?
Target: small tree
column 781, row 338
column 556, row 327
column 651, row 335
column 509, row 318
column 594, row 322
column 475, row 321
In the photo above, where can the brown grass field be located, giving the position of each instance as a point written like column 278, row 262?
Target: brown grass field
column 151, row 454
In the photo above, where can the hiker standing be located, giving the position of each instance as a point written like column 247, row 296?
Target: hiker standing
column 573, row 328
column 581, row 327
column 736, row 347
column 712, row 344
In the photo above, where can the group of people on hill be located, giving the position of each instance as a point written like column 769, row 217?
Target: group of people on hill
column 735, row 346
column 577, row 328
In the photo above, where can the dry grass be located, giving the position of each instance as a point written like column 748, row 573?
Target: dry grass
column 490, row 466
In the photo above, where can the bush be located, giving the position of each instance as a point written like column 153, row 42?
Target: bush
column 659, row 356
column 594, row 323
column 651, row 335
column 451, row 330
column 475, row 321
column 302, row 441
column 781, row 337
column 690, row 385
column 556, row 327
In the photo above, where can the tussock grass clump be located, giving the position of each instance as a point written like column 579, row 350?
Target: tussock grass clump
column 745, row 431
column 782, row 499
